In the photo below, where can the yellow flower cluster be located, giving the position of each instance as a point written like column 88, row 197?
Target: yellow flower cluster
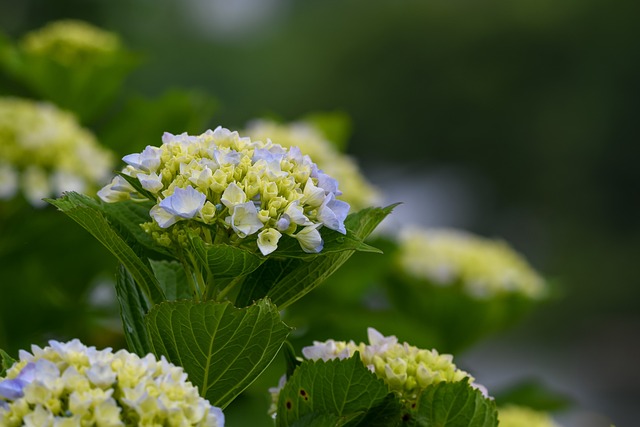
column 483, row 267
column 520, row 416
column 225, row 182
column 405, row 368
column 70, row 42
column 44, row 151
column 356, row 190
column 70, row 384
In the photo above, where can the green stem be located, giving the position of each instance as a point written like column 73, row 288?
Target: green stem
column 228, row 288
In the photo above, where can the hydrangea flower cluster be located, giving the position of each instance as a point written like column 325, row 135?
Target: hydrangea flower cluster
column 234, row 187
column 44, row 151
column 406, row 369
column 483, row 267
column 70, row 384
column 357, row 191
column 70, row 42
column 520, row 416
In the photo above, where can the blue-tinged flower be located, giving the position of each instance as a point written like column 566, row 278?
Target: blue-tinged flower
column 333, row 212
column 312, row 194
column 147, row 161
column 184, row 202
column 310, row 239
column 151, row 181
column 244, row 219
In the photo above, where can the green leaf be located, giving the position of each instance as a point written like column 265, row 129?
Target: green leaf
column 133, row 308
column 343, row 388
column 290, row 358
column 7, row 362
column 286, row 281
column 387, row 414
column 223, row 349
column 223, row 260
column 455, row 404
column 90, row 215
column 127, row 217
column 172, row 279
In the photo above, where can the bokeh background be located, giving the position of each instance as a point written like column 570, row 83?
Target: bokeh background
column 510, row 119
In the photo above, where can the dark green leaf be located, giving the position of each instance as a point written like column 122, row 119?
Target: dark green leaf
column 223, row 349
column 135, row 183
column 7, row 362
column 89, row 214
column 455, row 404
column 286, row 281
column 172, row 279
column 343, row 388
column 290, row 358
column 133, row 308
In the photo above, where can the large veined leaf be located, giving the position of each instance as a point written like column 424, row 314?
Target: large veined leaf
column 88, row 213
column 344, row 390
column 133, row 308
column 453, row 405
column 223, row 349
column 284, row 281
column 223, row 260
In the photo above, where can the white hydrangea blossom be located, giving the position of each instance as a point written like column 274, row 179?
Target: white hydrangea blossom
column 221, row 180
column 356, row 190
column 44, row 152
column 483, row 267
column 406, row 369
column 70, row 384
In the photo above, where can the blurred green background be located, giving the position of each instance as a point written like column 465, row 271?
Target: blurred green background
column 510, row 119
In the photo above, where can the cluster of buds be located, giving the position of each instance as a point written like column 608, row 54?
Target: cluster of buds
column 233, row 187
column 356, row 190
column 484, row 268
column 44, row 151
column 70, row 42
column 406, row 369
column 70, row 384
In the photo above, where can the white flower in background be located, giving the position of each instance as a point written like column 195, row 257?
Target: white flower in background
column 45, row 152
column 335, row 166
column 70, row 384
column 483, row 267
column 222, row 181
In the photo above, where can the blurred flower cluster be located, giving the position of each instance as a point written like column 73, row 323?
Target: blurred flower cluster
column 44, row 151
column 71, row 42
column 482, row 267
column 70, row 384
column 522, row 416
